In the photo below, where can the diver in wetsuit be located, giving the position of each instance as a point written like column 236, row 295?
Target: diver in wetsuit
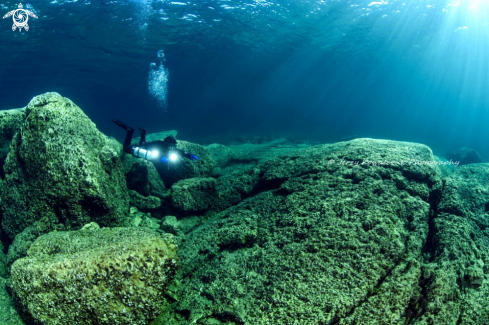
column 164, row 151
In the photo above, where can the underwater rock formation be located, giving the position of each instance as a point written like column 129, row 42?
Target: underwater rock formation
column 147, row 191
column 458, row 287
column 61, row 170
column 194, row 194
column 334, row 235
column 10, row 122
column 144, row 203
column 464, row 156
column 8, row 313
column 3, row 262
column 248, row 152
column 21, row 244
column 221, row 154
column 359, row 232
column 142, row 176
column 110, row 276
column 235, row 187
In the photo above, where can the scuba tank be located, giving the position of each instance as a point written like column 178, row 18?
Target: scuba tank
column 145, row 154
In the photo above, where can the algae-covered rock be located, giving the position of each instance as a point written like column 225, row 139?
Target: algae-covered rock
column 115, row 276
column 8, row 313
column 144, row 203
column 142, row 176
column 21, row 244
column 235, row 187
column 10, row 122
column 335, row 235
column 221, row 154
column 3, row 262
column 171, row 225
column 457, row 285
column 194, row 194
column 260, row 151
column 61, row 170
column 150, row 222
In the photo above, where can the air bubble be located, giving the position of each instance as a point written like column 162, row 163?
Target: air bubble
column 158, row 85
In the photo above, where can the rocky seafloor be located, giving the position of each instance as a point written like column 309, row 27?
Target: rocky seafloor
column 357, row 232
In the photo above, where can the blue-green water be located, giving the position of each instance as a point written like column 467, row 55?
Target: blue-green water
column 311, row 70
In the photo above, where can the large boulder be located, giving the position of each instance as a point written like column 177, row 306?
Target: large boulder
column 110, row 276
column 61, row 170
column 335, row 235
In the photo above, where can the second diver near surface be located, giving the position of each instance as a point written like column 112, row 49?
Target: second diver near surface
column 164, row 152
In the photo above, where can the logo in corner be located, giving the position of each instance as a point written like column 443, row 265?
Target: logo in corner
column 20, row 17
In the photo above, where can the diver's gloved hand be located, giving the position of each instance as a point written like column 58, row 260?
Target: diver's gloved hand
column 194, row 157
column 164, row 160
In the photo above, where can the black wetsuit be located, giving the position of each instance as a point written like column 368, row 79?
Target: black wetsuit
column 155, row 151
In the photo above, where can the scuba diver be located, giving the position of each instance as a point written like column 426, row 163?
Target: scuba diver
column 155, row 151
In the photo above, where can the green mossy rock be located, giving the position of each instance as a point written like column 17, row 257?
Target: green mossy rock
column 109, row 276
column 260, row 151
column 4, row 272
column 142, row 176
column 322, row 240
column 61, row 169
column 194, row 194
column 8, row 313
column 235, row 187
column 24, row 240
column 457, row 284
column 21, row 244
column 221, row 154
column 10, row 122
column 144, row 203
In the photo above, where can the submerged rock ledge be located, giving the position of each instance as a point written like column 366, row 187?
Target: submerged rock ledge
column 296, row 235
column 322, row 243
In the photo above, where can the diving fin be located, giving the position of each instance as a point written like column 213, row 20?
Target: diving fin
column 122, row 125
column 142, row 140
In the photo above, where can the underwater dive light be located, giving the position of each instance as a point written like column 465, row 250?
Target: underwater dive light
column 173, row 157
